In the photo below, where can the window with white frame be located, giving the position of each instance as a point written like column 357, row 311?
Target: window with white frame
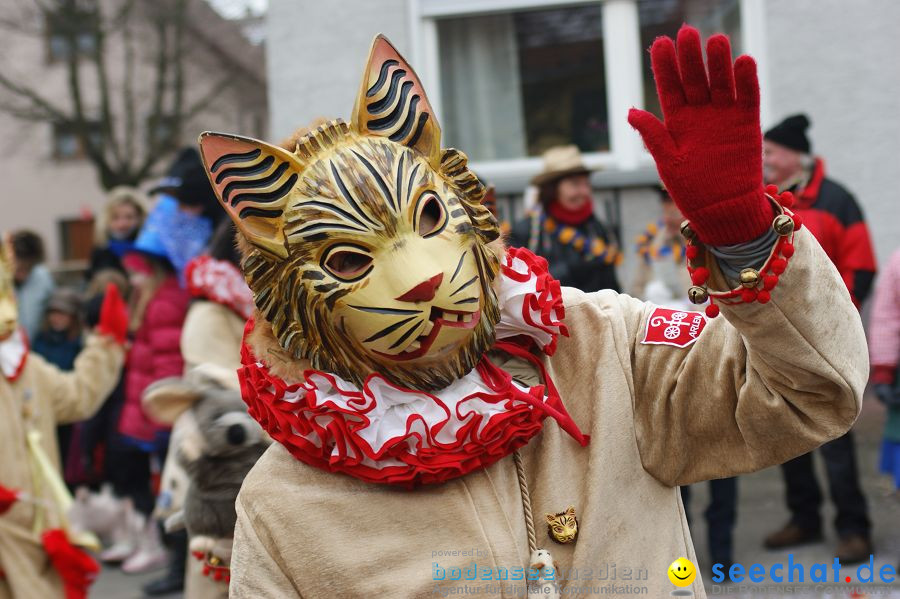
column 665, row 17
column 518, row 76
column 516, row 83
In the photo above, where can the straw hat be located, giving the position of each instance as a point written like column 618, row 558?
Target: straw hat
column 559, row 162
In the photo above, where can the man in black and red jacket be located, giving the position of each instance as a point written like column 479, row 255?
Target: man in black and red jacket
column 835, row 219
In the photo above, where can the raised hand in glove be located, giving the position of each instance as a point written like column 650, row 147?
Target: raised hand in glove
column 708, row 148
column 113, row 315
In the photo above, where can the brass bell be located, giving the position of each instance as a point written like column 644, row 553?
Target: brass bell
column 749, row 278
column 686, row 231
column 697, row 294
column 214, row 560
column 783, row 224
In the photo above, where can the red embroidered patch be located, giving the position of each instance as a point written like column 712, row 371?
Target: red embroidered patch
column 673, row 327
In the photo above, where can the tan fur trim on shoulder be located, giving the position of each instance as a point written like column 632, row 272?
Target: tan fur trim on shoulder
column 267, row 350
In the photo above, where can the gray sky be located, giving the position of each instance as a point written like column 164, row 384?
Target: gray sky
column 236, row 8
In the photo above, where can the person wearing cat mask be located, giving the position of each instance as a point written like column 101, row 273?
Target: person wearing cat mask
column 39, row 553
column 431, row 390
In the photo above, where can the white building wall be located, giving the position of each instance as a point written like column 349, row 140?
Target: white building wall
column 837, row 61
column 317, row 52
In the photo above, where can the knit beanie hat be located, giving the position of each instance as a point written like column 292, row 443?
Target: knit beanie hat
column 791, row 133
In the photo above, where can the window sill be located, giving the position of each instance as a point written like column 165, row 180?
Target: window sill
column 513, row 176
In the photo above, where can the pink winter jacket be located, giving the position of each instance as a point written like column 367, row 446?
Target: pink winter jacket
column 155, row 354
column 884, row 328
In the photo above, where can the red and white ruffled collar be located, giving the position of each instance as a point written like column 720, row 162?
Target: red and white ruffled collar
column 221, row 282
column 13, row 355
column 386, row 434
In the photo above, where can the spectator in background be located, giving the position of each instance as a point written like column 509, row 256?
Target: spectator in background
column 59, row 339
column 832, row 215
column 33, row 280
column 564, row 229
column 93, row 454
column 117, row 229
column 158, row 308
column 826, row 207
column 59, row 342
column 211, row 337
column 187, row 188
column 661, row 276
column 884, row 351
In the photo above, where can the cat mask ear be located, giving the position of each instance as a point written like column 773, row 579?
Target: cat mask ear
column 253, row 181
column 392, row 103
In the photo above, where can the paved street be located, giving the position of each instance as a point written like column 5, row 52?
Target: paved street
column 761, row 509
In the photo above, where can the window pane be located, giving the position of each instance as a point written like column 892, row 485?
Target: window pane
column 514, row 84
column 665, row 17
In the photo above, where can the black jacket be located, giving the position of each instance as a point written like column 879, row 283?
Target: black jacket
column 570, row 266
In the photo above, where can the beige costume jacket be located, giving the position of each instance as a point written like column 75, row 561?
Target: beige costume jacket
column 211, row 335
column 42, row 397
column 761, row 384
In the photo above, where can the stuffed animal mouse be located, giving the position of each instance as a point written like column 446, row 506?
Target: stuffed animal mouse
column 216, row 454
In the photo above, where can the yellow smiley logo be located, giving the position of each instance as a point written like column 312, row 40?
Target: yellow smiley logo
column 682, row 572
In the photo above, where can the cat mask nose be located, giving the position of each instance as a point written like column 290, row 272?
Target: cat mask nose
column 423, row 292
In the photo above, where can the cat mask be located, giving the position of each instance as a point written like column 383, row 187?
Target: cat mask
column 367, row 244
column 9, row 312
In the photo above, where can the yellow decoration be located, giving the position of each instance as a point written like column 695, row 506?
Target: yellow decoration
column 9, row 312
column 682, row 572
column 563, row 526
column 45, row 470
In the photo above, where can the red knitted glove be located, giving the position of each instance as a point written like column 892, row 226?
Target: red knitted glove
column 709, row 150
column 113, row 315
column 76, row 568
column 7, row 498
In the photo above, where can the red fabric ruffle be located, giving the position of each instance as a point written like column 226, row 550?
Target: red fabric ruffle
column 221, row 282
column 546, row 301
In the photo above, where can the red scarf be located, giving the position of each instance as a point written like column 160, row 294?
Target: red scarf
column 810, row 193
column 568, row 216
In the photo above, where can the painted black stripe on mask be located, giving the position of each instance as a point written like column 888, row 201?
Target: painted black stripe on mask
column 254, row 183
column 388, row 330
column 261, row 212
column 376, row 310
column 349, row 197
column 246, row 171
column 229, row 158
column 391, row 119
column 386, row 102
column 385, row 67
column 265, row 198
column 419, row 128
column 339, row 211
column 401, row 133
column 405, row 336
column 375, row 174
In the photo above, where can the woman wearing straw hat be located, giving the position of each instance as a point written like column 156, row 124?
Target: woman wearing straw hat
column 564, row 230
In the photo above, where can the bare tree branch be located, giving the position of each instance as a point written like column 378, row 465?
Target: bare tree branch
column 128, row 99
column 39, row 102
